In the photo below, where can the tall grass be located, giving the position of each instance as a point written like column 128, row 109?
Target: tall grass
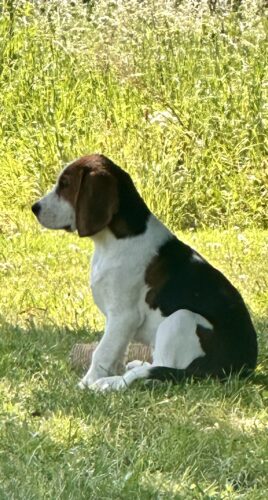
column 172, row 92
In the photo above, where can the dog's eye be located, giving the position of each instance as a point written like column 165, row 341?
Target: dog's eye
column 63, row 183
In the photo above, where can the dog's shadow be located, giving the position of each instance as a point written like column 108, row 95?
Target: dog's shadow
column 38, row 357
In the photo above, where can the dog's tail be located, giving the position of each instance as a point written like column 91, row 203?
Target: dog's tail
column 197, row 370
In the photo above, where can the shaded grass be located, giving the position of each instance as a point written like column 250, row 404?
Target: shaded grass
column 76, row 79
column 195, row 440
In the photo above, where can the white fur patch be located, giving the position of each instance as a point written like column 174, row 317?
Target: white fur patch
column 196, row 257
column 177, row 343
column 56, row 212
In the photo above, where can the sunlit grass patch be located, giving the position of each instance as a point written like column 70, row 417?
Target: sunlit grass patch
column 175, row 93
column 194, row 440
column 77, row 80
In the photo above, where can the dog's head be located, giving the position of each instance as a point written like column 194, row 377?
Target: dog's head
column 85, row 197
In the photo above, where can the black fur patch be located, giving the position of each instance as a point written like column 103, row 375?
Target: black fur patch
column 179, row 278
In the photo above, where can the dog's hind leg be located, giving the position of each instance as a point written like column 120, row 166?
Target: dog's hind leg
column 177, row 346
column 177, row 343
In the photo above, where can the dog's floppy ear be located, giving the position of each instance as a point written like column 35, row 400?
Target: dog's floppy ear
column 97, row 201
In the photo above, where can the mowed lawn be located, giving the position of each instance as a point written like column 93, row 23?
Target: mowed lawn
column 192, row 441
column 175, row 92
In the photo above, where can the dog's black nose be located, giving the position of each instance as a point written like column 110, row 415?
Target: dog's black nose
column 36, row 208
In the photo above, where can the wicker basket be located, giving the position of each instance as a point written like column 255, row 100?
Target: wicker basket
column 81, row 354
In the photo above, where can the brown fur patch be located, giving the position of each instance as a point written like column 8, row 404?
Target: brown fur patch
column 69, row 184
column 155, row 277
column 104, row 195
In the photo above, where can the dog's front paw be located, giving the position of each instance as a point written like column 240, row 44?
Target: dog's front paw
column 81, row 385
column 116, row 383
column 85, row 382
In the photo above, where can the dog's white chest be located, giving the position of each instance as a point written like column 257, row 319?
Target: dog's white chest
column 118, row 276
column 115, row 287
column 101, row 283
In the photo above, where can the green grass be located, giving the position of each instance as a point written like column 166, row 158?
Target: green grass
column 80, row 78
column 75, row 80
column 197, row 440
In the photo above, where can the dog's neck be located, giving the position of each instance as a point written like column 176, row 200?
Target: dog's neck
column 106, row 242
column 132, row 214
column 131, row 219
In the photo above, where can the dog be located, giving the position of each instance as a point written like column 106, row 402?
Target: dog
column 151, row 287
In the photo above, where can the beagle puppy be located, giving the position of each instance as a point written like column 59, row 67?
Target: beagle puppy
column 151, row 287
